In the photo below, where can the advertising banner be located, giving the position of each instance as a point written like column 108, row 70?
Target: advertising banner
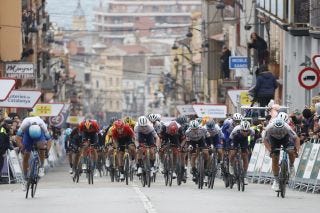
column 215, row 111
column 304, row 160
column 21, row 99
column 74, row 119
column 47, row 110
column 311, row 161
column 186, row 110
column 21, row 70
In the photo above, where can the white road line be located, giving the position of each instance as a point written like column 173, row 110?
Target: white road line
column 146, row 202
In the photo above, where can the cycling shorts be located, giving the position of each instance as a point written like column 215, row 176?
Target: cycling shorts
column 200, row 143
column 243, row 142
column 122, row 142
column 28, row 142
column 277, row 143
column 215, row 141
column 147, row 139
column 91, row 136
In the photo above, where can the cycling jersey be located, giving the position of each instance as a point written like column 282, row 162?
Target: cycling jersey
column 126, row 132
column 279, row 133
column 196, row 134
column 94, row 127
column 214, row 137
column 238, row 138
column 227, row 128
column 145, row 134
column 175, row 139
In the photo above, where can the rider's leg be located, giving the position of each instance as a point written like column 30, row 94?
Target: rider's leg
column 42, row 146
column 132, row 151
column 245, row 159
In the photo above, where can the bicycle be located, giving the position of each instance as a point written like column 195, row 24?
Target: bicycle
column 87, row 161
column 283, row 173
column 101, row 166
column 213, row 168
column 33, row 173
column 127, row 167
column 238, row 176
column 200, row 167
column 113, row 169
column 146, row 167
column 168, row 164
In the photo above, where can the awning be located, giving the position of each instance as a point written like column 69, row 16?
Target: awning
column 218, row 37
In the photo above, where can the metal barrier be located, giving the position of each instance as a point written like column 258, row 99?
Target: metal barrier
column 307, row 165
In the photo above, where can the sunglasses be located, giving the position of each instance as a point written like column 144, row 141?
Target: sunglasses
column 245, row 130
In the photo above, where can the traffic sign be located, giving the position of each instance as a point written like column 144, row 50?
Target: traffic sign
column 21, row 99
column 6, row 85
column 316, row 61
column 238, row 62
column 57, row 121
column 309, row 78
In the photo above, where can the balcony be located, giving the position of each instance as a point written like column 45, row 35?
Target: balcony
column 300, row 18
column 314, row 19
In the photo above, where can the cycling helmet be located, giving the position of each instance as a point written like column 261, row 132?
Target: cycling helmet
column 68, row 131
column 210, row 124
column 278, row 123
column 35, row 131
column 158, row 117
column 245, row 125
column 194, row 124
column 284, row 116
column 142, row 121
column 152, row 117
column 173, row 128
column 237, row 117
column 118, row 124
column 181, row 119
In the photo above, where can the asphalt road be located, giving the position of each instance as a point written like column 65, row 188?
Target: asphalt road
column 58, row 194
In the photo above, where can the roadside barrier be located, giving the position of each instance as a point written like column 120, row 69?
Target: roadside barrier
column 307, row 167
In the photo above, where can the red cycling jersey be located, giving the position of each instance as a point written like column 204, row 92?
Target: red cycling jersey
column 126, row 132
column 93, row 127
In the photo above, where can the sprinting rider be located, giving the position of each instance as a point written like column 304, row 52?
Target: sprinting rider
column 196, row 136
column 279, row 133
column 214, row 138
column 145, row 135
column 173, row 132
column 239, row 136
column 67, row 147
column 33, row 131
column 123, row 136
column 228, row 126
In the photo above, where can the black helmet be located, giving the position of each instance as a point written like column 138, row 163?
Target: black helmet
column 112, row 119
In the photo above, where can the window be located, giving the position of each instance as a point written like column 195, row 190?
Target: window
column 97, row 84
column 118, row 105
column 110, row 82
column 111, row 104
column 87, row 77
column 118, row 82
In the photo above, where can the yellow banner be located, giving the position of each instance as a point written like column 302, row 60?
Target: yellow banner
column 74, row 119
column 244, row 98
column 42, row 110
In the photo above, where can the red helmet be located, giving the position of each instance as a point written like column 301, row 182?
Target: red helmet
column 118, row 124
column 173, row 128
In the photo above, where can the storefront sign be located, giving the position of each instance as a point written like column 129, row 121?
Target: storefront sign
column 21, row 99
column 20, row 70
column 215, row 111
column 238, row 62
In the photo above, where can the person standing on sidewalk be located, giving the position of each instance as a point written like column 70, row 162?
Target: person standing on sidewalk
column 4, row 140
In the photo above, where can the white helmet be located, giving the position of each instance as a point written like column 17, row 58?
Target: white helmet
column 158, row 117
column 152, row 117
column 245, row 125
column 142, row 121
column 194, row 124
column 284, row 116
column 278, row 123
column 237, row 117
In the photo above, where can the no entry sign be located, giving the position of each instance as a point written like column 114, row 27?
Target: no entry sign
column 309, row 78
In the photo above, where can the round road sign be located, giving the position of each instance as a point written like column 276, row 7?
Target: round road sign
column 56, row 121
column 309, row 78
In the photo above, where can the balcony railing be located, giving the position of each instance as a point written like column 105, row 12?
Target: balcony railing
column 315, row 14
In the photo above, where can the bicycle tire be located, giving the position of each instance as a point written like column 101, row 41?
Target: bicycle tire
column 27, row 189
column 179, row 172
column 170, row 175
column 148, row 170
column 112, row 170
column 165, row 168
column 213, row 171
column 126, row 169
column 283, row 178
column 33, row 188
column 242, row 185
column 200, row 170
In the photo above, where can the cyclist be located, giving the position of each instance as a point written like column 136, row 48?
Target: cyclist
column 172, row 132
column 155, row 121
column 196, row 136
column 74, row 145
column 239, row 136
column 228, row 126
column 129, row 121
column 145, row 134
column 214, row 138
column 123, row 136
column 33, row 131
column 183, row 121
column 67, row 147
column 279, row 133
column 89, row 130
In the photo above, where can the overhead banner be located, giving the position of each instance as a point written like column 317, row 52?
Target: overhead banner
column 6, row 85
column 47, row 110
column 215, row 111
column 75, row 119
column 186, row 110
column 21, row 70
column 60, row 120
column 21, row 99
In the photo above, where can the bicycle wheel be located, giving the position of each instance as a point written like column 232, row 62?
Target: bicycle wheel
column 126, row 168
column 170, row 171
column 283, row 178
column 111, row 169
column 179, row 171
column 166, row 169
column 28, row 187
column 200, row 170
column 237, row 174
column 242, row 185
column 212, row 172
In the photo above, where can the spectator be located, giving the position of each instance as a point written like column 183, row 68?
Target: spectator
column 224, row 63
column 261, row 46
column 266, row 85
column 4, row 140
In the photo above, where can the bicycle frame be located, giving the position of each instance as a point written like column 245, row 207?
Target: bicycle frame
column 33, row 173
